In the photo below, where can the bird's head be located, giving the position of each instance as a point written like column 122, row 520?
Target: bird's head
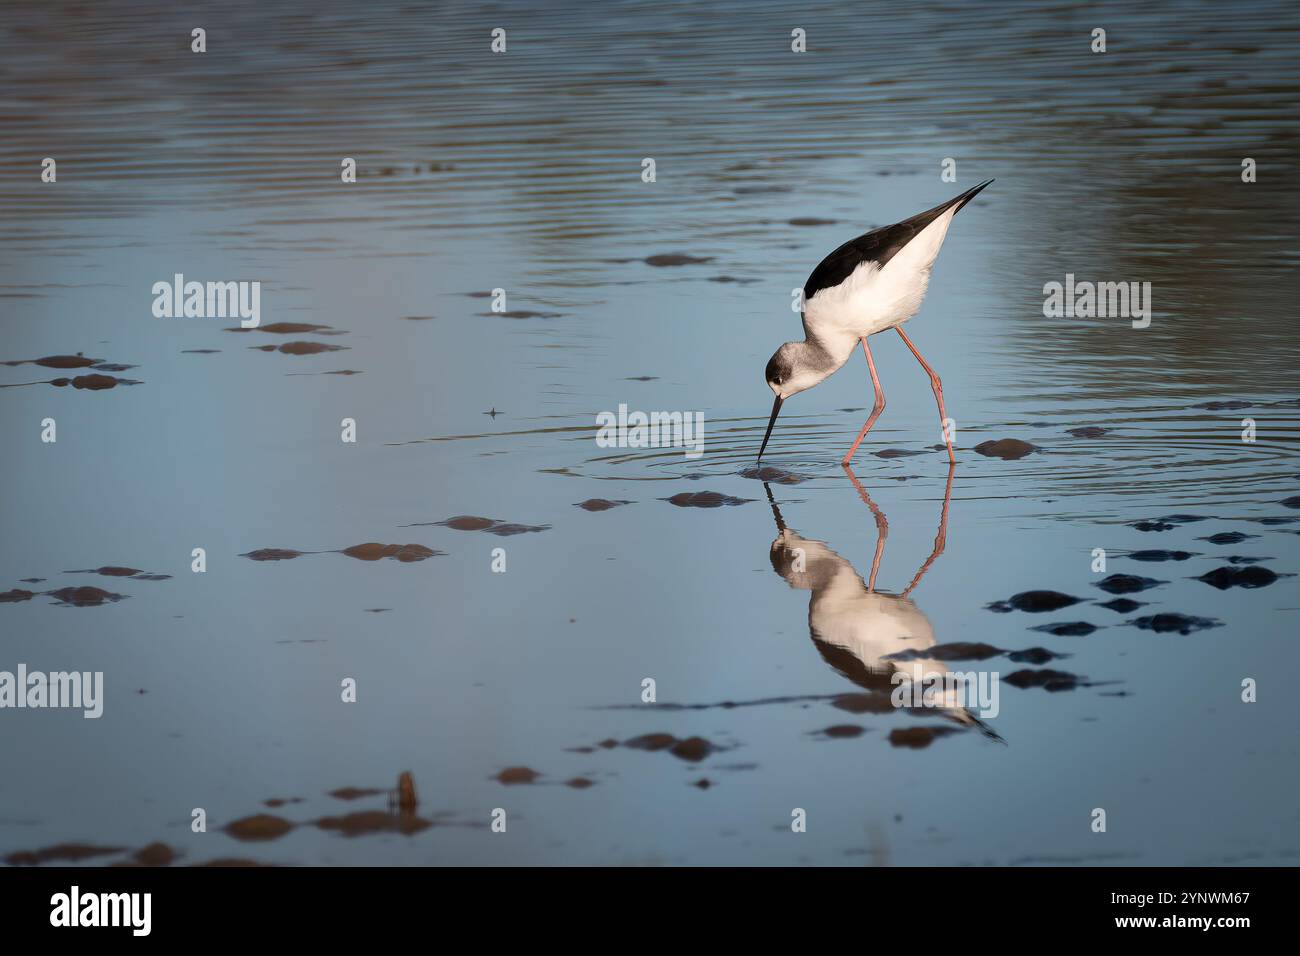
column 791, row 369
column 783, row 371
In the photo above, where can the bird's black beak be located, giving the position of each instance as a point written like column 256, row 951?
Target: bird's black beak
column 776, row 410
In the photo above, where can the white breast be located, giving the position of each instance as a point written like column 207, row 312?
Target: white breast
column 872, row 299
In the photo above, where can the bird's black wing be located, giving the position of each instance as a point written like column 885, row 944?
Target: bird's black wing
column 878, row 246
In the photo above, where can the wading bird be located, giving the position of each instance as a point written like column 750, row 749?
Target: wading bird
column 869, row 284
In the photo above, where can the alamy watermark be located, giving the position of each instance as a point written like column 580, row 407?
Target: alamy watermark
column 972, row 690
column 36, row 689
column 1100, row 300
column 208, row 300
column 653, row 430
column 75, row 908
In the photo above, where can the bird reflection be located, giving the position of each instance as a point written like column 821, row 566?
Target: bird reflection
column 856, row 627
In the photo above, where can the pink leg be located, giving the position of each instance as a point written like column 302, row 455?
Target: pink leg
column 940, row 539
column 882, row 525
column 875, row 410
column 938, row 392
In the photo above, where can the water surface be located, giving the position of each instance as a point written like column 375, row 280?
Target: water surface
column 522, row 172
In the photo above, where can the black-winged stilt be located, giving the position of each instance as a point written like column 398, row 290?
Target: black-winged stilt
column 869, row 284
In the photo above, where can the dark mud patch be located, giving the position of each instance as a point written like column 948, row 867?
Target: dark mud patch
column 772, row 475
column 84, row 596
column 513, row 776
column 918, row 738
column 94, row 383
column 1047, row 679
column 16, row 595
column 1087, row 431
column 200, row 351
column 579, row 783
column 642, row 378
column 1121, row 605
column 1067, row 628
column 1228, row 576
column 704, row 499
column 1034, row 655
column 691, row 749
column 57, row 361
column 258, row 828
column 1228, row 537
column 366, row 822
column 1156, row 554
column 406, row 553
column 300, row 348
column 1034, row 602
column 61, row 853
column 600, row 504
column 289, row 328
column 523, row 314
column 1174, row 622
column 1151, row 525
column 490, row 525
column 869, row 703
column 1008, row 449
column 1127, row 584
column 113, row 571
column 841, row 731
column 356, row 793
column 668, row 259
column 155, row 854
column 898, row 452
column 370, row 551
column 274, row 554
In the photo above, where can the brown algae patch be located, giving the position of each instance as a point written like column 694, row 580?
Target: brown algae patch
column 84, row 596
column 365, row 822
column 61, row 853
column 300, row 348
column 600, row 504
column 1008, row 449
column 490, row 525
column 512, row 776
column 691, row 749
column 288, row 328
column 406, row 553
column 704, row 499
column 114, row 571
column 917, row 738
column 259, row 827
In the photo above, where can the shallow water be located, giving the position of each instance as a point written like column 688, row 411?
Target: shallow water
column 522, row 171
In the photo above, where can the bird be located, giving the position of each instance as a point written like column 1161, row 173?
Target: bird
column 872, row 637
column 872, row 283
